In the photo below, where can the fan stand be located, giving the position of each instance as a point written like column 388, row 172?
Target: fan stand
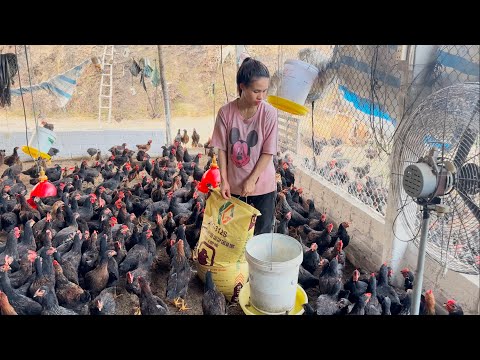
column 427, row 206
column 417, row 289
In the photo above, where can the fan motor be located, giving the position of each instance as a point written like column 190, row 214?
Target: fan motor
column 419, row 181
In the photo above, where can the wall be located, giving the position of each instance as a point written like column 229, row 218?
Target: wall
column 366, row 247
column 74, row 144
column 371, row 244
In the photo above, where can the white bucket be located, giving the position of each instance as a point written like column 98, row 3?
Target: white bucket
column 273, row 272
column 297, row 80
column 42, row 139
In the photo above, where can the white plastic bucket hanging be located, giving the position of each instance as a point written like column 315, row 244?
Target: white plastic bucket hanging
column 296, row 82
column 40, row 143
column 273, row 264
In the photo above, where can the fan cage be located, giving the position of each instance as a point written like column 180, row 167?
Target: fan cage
column 448, row 119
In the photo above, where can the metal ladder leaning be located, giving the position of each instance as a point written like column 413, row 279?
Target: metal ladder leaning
column 106, row 89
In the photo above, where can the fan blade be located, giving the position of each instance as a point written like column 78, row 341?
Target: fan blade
column 468, row 180
column 470, row 204
column 465, row 145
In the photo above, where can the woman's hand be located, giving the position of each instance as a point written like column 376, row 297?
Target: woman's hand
column 248, row 186
column 225, row 189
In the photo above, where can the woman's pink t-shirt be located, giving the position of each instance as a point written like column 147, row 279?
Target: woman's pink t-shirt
column 244, row 141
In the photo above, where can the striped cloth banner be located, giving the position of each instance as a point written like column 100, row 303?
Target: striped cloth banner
column 62, row 85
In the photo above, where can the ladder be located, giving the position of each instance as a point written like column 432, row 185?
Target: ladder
column 106, row 89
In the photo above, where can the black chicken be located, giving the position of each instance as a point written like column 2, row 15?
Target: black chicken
column 178, row 279
column 213, row 302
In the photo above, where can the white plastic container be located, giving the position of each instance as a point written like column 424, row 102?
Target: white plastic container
column 42, row 139
column 273, row 272
column 298, row 78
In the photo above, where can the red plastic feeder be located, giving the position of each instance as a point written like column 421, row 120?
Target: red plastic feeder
column 43, row 189
column 210, row 177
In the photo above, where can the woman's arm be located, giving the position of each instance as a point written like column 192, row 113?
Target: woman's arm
column 224, row 186
column 260, row 166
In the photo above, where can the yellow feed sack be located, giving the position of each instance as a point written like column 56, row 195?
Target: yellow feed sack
column 227, row 226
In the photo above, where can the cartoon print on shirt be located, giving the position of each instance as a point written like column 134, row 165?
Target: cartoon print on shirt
column 241, row 149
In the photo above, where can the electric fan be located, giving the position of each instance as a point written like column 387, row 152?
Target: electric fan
column 437, row 150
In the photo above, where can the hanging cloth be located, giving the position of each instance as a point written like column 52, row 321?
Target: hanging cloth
column 145, row 66
column 135, row 68
column 62, row 86
column 155, row 76
column 8, row 69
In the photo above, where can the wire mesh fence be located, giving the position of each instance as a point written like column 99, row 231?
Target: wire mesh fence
column 355, row 106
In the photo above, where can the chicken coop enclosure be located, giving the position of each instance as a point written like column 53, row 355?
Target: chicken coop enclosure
column 342, row 150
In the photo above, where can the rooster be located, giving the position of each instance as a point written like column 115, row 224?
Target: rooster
column 409, row 278
column 453, row 308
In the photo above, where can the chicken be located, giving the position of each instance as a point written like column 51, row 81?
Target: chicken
column 373, row 307
column 341, row 234
column 213, row 301
column 150, row 304
column 23, row 305
column 68, row 293
column 311, row 258
column 384, row 289
column 327, row 304
column 5, row 307
column 429, row 303
column 47, row 125
column 386, row 303
column 185, row 138
column 178, row 279
column 453, row 307
column 356, row 287
column 334, row 251
column 104, row 303
column 178, row 137
column 97, row 279
column 359, row 307
column 2, row 156
column 47, row 298
column 145, row 147
column 92, row 152
column 12, row 159
column 21, row 276
column 306, row 279
column 329, row 277
column 409, row 278
column 321, row 238
column 195, row 138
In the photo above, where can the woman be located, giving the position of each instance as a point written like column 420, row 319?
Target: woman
column 246, row 137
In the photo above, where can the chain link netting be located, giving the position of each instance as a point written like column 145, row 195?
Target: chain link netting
column 355, row 106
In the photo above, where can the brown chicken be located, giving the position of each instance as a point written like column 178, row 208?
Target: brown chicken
column 68, row 293
column 97, row 279
column 185, row 137
column 195, row 138
column 145, row 147
column 429, row 303
column 5, row 307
